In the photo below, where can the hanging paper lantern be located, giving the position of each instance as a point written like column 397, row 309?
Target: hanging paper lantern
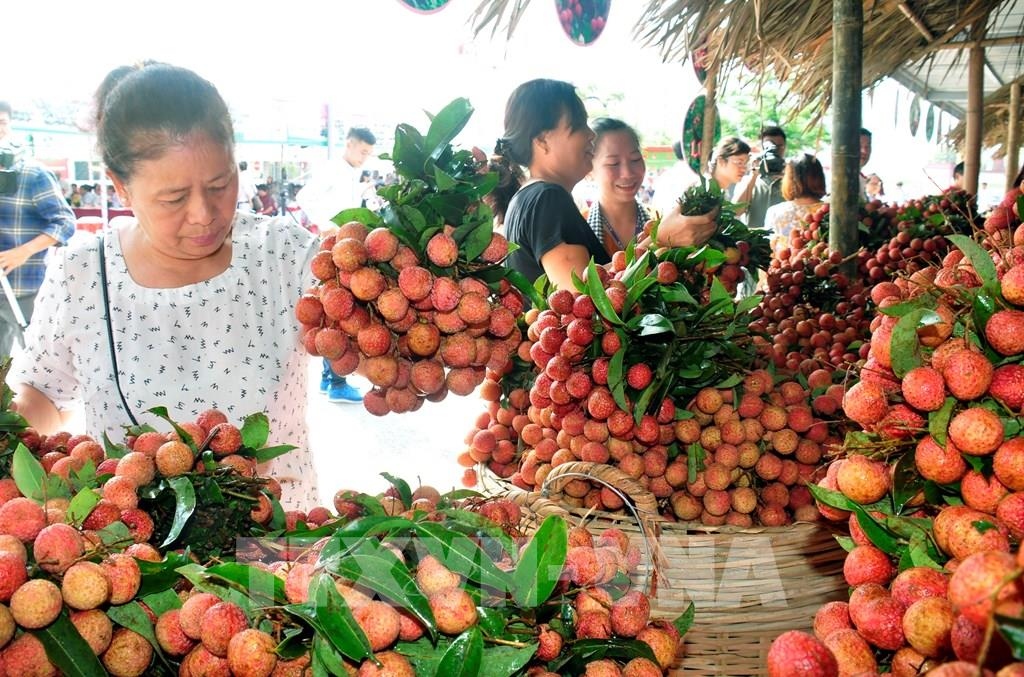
column 693, row 132
column 583, row 20
column 929, row 123
column 915, row 115
column 424, row 6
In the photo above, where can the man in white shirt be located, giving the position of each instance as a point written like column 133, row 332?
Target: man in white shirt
column 669, row 187
column 246, row 189
column 333, row 189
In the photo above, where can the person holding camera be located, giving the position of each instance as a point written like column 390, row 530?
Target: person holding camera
column 34, row 216
column 771, row 165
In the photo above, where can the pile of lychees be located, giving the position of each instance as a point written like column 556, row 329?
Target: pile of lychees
column 416, row 298
column 933, row 486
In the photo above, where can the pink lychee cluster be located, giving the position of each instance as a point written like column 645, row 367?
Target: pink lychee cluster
column 418, row 326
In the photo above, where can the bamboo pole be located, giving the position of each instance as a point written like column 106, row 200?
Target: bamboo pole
column 848, row 34
column 1013, row 136
column 975, row 104
column 707, row 139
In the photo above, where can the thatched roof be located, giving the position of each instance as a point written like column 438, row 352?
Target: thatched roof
column 792, row 39
column 995, row 125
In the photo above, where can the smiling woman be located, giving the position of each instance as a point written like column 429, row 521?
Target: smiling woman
column 619, row 170
column 187, row 305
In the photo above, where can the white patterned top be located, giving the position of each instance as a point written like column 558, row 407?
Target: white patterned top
column 231, row 342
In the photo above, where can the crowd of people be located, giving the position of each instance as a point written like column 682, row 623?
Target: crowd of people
column 164, row 307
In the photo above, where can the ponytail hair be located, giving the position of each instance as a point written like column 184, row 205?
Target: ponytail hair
column 510, row 179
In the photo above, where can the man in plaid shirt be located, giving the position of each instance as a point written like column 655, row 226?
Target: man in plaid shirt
column 33, row 217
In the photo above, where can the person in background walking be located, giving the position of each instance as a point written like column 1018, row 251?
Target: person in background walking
column 34, row 216
column 329, row 191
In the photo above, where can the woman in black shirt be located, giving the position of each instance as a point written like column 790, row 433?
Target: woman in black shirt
column 546, row 131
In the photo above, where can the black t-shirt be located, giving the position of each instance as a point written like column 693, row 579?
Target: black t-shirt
column 540, row 217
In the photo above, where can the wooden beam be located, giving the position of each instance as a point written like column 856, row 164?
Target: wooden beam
column 916, row 20
column 975, row 107
column 707, row 139
column 1013, row 136
column 1001, row 41
column 847, row 58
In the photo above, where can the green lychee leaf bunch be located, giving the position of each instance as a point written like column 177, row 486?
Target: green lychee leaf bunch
column 416, row 298
column 932, row 486
column 12, row 424
column 743, row 246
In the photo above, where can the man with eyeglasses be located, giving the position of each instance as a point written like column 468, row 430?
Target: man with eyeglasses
column 771, row 165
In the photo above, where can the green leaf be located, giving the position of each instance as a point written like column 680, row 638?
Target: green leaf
column 720, row 296
column 655, row 323
column 461, row 555
column 637, row 290
column 695, row 456
column 379, row 570
column 541, row 563
column 685, row 620
column 904, row 343
column 474, row 524
column 326, row 660
column 478, row 240
column 446, row 125
column 263, row 587
column 135, row 618
column 529, row 291
column 731, row 381
column 28, row 474
column 906, row 482
column 901, row 309
column 267, row 453
column 115, row 533
column 748, row 303
column 598, row 295
column 367, row 217
column 330, row 616
column 1012, row 630
column 229, row 593
column 161, row 412
column 255, row 430
column 918, row 552
column 443, row 181
column 980, row 260
column 938, row 421
column 113, row 450
column 184, row 506
column 463, row 657
column 82, row 504
column 583, row 651
column 400, row 485
column 880, row 536
column 846, row 543
column 984, row 307
column 67, row 650
column 162, row 602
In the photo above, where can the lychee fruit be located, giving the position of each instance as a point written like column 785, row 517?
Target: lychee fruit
column 924, row 389
column 868, row 564
column 128, row 655
column 137, row 467
column 927, row 624
column 853, row 654
column 219, row 624
column 433, row 577
column 916, row 583
column 36, row 604
column 22, row 518
column 1007, row 386
column 594, row 625
column 173, row 459
column 124, row 576
column 415, row 282
column 251, row 652
column 549, row 643
column 170, row 636
column 380, row 622
column 968, row 374
column 26, row 656
column 976, row 431
column 85, row 586
column 938, row 464
column 95, row 628
column 393, row 665
column 866, row 403
column 442, row 250
column 980, row 583
column 57, row 547
column 663, row 643
column 630, row 614
column 453, row 609
column 192, row 611
column 1005, row 332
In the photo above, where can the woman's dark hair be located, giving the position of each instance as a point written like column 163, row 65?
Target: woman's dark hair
column 804, row 177
column 602, row 126
column 143, row 110
column 727, row 148
column 534, row 107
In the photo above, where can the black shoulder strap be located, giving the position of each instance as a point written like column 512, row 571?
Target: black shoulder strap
column 110, row 329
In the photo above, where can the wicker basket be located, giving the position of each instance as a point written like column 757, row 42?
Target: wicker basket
column 749, row 585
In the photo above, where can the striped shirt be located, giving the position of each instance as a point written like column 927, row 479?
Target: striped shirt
column 37, row 207
column 604, row 231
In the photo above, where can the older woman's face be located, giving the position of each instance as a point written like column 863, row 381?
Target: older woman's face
column 619, row 167
column 185, row 199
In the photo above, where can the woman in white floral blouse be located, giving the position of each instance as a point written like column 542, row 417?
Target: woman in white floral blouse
column 199, row 304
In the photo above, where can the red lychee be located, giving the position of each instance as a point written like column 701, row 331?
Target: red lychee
column 976, row 431
column 799, row 653
column 1005, row 331
column 866, row 403
column 968, row 374
column 924, row 389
